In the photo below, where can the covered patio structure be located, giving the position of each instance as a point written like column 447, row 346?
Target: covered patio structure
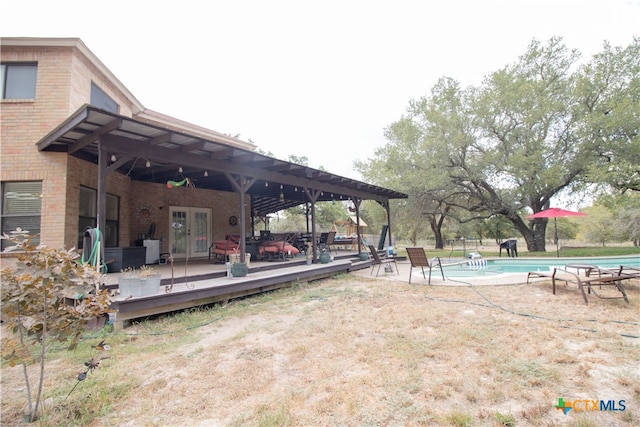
column 147, row 149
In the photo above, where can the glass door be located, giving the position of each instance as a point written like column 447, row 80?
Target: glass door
column 200, row 232
column 190, row 232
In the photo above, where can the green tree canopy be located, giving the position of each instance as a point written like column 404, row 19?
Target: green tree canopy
column 530, row 132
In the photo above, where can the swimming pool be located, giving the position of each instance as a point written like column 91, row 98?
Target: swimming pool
column 491, row 267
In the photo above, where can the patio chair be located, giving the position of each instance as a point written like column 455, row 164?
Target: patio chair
column 379, row 261
column 326, row 241
column 418, row 258
column 221, row 249
column 511, row 246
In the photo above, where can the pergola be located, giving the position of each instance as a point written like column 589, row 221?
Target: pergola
column 269, row 184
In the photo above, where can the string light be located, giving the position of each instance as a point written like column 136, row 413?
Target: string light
column 206, row 173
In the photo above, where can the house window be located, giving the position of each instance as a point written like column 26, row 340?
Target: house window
column 88, row 216
column 21, row 207
column 100, row 99
column 18, row 80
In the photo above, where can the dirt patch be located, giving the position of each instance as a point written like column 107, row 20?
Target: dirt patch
column 359, row 351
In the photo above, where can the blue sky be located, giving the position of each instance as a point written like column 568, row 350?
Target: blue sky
column 320, row 79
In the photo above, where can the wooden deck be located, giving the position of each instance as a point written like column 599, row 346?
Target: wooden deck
column 202, row 283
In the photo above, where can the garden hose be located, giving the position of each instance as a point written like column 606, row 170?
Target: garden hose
column 491, row 304
column 94, row 256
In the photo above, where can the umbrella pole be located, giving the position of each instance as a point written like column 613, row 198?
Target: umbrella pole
column 555, row 223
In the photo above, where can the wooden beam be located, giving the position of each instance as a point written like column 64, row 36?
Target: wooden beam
column 63, row 129
column 194, row 146
column 160, row 139
column 162, row 154
column 95, row 135
column 221, row 154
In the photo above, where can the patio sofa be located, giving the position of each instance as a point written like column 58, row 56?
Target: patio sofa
column 221, row 249
column 280, row 246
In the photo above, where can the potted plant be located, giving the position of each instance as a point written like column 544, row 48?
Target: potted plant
column 309, row 253
column 325, row 256
column 139, row 283
column 239, row 269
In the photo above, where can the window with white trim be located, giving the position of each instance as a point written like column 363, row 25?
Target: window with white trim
column 18, row 80
column 21, row 208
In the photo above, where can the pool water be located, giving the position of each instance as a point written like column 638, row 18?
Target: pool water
column 490, row 267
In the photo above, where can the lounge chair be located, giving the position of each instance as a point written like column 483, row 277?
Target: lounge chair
column 628, row 271
column 278, row 248
column 379, row 261
column 604, row 278
column 418, row 258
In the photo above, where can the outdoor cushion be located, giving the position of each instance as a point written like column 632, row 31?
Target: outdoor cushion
column 276, row 247
column 222, row 244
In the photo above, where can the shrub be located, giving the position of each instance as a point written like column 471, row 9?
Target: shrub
column 47, row 296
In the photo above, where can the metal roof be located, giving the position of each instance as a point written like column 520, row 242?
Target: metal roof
column 154, row 151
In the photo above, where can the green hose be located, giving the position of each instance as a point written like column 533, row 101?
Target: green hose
column 94, row 256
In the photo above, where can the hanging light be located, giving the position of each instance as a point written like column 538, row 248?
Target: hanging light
column 113, row 158
column 266, row 184
column 206, row 173
column 180, row 169
column 148, row 164
column 281, row 194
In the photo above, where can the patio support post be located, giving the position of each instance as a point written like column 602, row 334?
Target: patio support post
column 313, row 196
column 101, row 202
column 243, row 248
column 388, row 209
column 356, row 203
column 104, row 169
column 385, row 205
column 241, row 184
column 253, row 218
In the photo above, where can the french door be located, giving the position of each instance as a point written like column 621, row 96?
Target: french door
column 190, row 232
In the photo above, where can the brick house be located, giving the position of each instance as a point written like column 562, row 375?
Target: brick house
column 79, row 150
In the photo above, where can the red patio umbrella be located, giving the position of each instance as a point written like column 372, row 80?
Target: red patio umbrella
column 555, row 213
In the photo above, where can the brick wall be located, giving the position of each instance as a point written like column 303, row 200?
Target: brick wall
column 81, row 173
column 63, row 85
column 159, row 199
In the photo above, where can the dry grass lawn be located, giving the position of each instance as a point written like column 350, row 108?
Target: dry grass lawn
column 357, row 351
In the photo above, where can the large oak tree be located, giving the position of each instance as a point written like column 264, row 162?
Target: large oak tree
column 533, row 130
